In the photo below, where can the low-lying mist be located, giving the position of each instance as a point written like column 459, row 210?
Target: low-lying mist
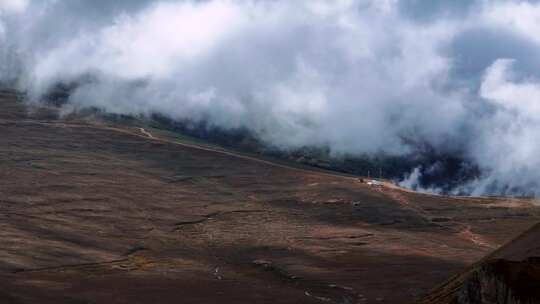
column 453, row 85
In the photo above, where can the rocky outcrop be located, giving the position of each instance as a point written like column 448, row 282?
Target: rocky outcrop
column 492, row 281
column 503, row 282
column 510, row 275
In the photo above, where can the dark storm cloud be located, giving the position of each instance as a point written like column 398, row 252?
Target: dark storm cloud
column 474, row 50
column 429, row 11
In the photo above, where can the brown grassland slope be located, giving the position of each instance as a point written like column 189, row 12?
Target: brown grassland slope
column 96, row 212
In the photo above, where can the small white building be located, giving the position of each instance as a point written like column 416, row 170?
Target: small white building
column 374, row 183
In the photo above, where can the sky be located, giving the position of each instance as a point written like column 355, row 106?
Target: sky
column 359, row 77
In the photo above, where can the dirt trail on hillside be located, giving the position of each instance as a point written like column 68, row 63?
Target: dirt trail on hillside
column 467, row 234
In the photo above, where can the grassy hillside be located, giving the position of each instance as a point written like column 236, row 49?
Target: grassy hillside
column 94, row 211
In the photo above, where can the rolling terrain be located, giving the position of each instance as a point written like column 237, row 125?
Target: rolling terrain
column 93, row 211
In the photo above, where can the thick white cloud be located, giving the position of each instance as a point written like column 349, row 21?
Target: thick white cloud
column 149, row 44
column 13, row 6
column 509, row 146
column 302, row 73
column 356, row 76
column 520, row 16
column 521, row 97
column 8, row 7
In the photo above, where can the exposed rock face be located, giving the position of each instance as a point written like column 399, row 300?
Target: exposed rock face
column 504, row 282
column 510, row 275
